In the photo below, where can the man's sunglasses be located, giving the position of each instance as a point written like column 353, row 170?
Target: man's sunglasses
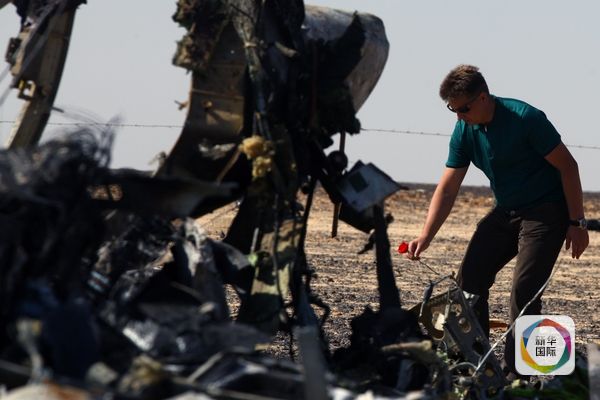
column 465, row 108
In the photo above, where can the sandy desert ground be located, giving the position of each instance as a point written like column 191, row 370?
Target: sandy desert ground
column 347, row 280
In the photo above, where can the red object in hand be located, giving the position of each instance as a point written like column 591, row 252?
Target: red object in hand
column 403, row 248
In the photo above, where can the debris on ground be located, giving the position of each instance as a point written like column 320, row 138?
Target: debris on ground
column 109, row 288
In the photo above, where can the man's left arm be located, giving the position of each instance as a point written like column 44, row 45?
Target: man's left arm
column 577, row 239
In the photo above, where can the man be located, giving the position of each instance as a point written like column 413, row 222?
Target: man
column 536, row 185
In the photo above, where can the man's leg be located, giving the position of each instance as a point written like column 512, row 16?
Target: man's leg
column 493, row 244
column 542, row 234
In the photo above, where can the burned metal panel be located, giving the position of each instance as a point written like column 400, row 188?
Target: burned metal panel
column 210, row 135
column 37, row 65
column 328, row 24
column 218, row 96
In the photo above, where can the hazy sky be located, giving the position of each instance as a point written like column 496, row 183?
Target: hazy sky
column 544, row 52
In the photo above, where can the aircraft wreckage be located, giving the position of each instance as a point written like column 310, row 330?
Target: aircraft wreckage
column 110, row 289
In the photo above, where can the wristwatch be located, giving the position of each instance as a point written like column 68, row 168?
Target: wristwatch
column 581, row 223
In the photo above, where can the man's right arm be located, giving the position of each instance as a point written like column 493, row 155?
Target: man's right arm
column 439, row 209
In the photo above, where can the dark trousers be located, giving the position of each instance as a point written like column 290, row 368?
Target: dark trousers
column 535, row 236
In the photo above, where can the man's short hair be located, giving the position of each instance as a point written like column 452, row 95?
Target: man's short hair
column 462, row 80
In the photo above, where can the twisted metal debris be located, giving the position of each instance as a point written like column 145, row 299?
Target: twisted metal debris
column 108, row 287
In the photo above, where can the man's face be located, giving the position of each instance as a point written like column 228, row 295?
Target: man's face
column 469, row 108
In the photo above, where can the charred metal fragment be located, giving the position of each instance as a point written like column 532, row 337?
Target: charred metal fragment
column 155, row 287
column 314, row 371
column 172, row 308
column 389, row 218
column 328, row 26
column 205, row 21
column 273, row 258
column 389, row 295
column 43, row 198
column 38, row 57
column 214, row 53
column 229, row 375
column 363, row 187
column 375, row 333
column 131, row 190
column 449, row 318
column 372, row 332
column 259, row 59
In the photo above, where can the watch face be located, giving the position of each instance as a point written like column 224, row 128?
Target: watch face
column 580, row 223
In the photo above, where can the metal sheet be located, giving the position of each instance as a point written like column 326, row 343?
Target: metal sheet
column 365, row 186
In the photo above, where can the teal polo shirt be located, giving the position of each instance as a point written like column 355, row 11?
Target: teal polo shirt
column 510, row 151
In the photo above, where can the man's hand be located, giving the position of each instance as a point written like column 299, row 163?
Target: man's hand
column 415, row 248
column 577, row 239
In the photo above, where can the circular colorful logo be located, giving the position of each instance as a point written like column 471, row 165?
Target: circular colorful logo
column 544, row 345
